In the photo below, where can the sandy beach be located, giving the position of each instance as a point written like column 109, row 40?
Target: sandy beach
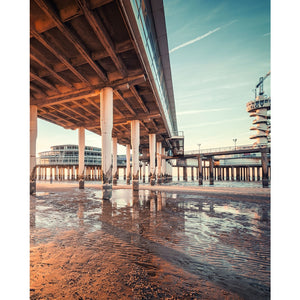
column 169, row 242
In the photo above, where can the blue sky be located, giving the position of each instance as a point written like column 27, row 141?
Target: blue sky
column 218, row 51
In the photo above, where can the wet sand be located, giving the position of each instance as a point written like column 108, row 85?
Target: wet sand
column 168, row 243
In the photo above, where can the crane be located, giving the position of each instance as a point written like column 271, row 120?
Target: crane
column 260, row 84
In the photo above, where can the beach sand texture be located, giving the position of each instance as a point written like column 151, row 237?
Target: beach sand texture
column 162, row 242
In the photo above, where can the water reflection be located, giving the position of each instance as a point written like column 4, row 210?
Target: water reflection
column 141, row 243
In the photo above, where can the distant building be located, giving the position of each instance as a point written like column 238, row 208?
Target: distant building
column 68, row 155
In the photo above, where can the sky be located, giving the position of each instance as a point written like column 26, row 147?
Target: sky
column 218, row 51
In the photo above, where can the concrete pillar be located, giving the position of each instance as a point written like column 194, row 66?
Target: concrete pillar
column 248, row 173
column 135, row 144
column 144, row 171
column 81, row 146
column 163, row 165
column 178, row 173
column 115, row 160
column 219, row 173
column 211, row 170
column 158, row 159
column 33, row 136
column 184, row 173
column 264, row 166
column 128, row 171
column 200, row 172
column 106, row 123
column 192, row 173
column 152, row 140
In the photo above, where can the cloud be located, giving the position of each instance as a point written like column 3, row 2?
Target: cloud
column 195, row 40
column 212, row 123
column 202, row 36
column 191, row 112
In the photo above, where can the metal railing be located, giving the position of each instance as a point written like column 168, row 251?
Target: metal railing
column 225, row 149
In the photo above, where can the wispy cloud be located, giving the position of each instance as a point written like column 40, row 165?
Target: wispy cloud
column 192, row 112
column 184, row 127
column 201, row 36
column 195, row 40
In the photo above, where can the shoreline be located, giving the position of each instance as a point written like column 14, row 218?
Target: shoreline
column 242, row 193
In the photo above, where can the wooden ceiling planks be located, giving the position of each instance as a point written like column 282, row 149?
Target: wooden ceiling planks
column 69, row 67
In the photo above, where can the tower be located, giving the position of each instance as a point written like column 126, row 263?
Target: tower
column 259, row 109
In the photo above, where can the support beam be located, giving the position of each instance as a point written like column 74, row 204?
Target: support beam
column 102, row 35
column 264, row 166
column 51, row 13
column 135, row 143
column 200, row 172
column 81, row 146
column 158, row 159
column 33, row 137
column 128, row 171
column 106, row 122
column 163, row 165
column 115, row 161
column 152, row 140
column 211, row 170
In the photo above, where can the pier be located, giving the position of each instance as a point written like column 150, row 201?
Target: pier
column 93, row 67
column 140, row 216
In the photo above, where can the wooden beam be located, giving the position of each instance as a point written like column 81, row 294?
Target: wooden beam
column 56, row 120
column 123, row 121
column 58, row 54
column 49, row 69
column 69, row 12
column 43, row 82
column 51, row 13
column 92, row 103
column 66, row 114
column 84, row 92
column 37, row 89
column 139, row 99
column 143, row 123
column 87, row 110
column 102, row 35
column 75, row 112
column 118, row 111
column 124, row 102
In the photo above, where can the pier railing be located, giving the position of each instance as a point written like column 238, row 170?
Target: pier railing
column 226, row 149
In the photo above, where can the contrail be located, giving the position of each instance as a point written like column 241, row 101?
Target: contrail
column 191, row 112
column 202, row 36
column 195, row 40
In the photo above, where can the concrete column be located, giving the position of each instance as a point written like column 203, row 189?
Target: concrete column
column 144, row 171
column 135, row 144
column 184, row 173
column 81, row 146
column 163, row 165
column 106, row 123
column 128, row 171
column 152, row 140
column 178, row 173
column 158, row 159
column 33, row 136
column 192, row 173
column 115, row 160
column 200, row 172
column 264, row 166
column 248, row 173
column 211, row 170
column 219, row 173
